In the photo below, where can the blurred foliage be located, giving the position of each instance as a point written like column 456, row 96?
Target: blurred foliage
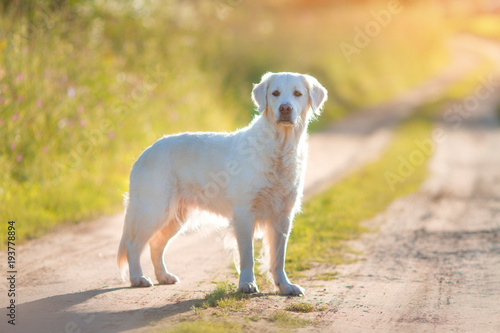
column 85, row 86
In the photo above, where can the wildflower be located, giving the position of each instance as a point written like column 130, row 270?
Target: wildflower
column 12, row 146
column 19, row 99
column 39, row 102
column 83, row 122
column 71, row 92
column 19, row 77
column 15, row 116
column 19, row 158
column 45, row 149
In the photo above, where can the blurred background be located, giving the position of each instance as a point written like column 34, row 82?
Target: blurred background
column 85, row 86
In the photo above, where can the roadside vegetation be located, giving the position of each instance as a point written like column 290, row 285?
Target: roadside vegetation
column 85, row 86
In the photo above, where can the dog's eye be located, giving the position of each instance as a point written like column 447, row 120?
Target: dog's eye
column 276, row 93
column 297, row 93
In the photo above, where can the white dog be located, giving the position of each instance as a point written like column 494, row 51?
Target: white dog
column 253, row 177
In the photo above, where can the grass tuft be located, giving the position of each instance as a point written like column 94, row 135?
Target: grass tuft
column 286, row 320
column 225, row 296
column 299, row 307
column 206, row 326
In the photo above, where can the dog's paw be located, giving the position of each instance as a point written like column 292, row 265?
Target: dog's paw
column 291, row 289
column 141, row 281
column 248, row 287
column 167, row 278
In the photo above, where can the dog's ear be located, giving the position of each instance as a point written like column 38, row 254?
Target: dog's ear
column 317, row 94
column 259, row 93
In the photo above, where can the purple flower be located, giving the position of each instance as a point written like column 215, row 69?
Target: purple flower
column 71, row 92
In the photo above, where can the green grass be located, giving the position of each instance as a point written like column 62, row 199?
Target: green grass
column 300, row 307
column 206, row 326
column 86, row 86
column 225, row 296
column 286, row 320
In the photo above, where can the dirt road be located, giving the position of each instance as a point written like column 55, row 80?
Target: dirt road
column 435, row 263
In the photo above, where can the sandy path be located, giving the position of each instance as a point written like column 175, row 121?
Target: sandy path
column 68, row 280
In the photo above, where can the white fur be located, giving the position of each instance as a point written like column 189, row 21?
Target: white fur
column 253, row 177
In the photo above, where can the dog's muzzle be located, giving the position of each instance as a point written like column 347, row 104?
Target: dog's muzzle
column 285, row 113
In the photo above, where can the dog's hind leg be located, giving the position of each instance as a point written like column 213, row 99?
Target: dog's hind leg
column 158, row 244
column 141, row 227
column 134, row 251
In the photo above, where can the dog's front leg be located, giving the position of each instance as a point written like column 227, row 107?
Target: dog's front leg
column 277, row 238
column 244, row 223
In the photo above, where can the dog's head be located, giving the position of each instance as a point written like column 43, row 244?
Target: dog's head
column 289, row 98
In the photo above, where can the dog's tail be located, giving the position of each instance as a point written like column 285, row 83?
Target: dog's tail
column 122, row 256
column 122, row 248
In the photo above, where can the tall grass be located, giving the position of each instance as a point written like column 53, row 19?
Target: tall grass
column 85, row 86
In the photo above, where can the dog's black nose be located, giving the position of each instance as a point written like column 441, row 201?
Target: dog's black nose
column 285, row 109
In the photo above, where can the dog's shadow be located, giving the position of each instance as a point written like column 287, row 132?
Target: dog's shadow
column 67, row 312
